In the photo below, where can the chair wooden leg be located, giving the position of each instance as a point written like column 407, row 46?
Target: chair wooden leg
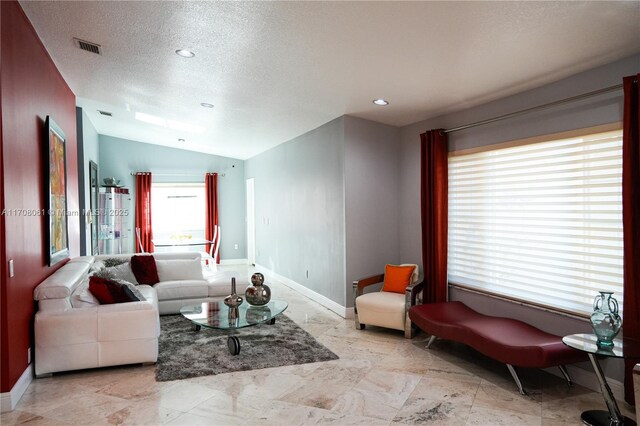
column 358, row 325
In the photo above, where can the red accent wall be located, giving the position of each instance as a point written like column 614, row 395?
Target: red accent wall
column 31, row 88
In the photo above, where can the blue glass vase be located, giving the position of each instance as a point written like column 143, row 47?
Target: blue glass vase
column 605, row 320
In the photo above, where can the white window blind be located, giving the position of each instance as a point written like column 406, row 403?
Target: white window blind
column 539, row 222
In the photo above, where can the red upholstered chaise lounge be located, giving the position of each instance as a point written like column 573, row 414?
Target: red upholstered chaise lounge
column 509, row 341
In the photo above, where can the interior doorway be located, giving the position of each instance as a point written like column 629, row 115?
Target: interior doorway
column 251, row 222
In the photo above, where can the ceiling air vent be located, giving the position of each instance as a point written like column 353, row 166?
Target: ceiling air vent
column 88, row 46
column 107, row 113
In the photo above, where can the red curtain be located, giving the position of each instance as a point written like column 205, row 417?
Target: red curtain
column 211, row 218
column 143, row 211
column 434, row 206
column 631, row 221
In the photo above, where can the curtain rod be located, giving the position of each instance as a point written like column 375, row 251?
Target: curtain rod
column 535, row 108
column 179, row 174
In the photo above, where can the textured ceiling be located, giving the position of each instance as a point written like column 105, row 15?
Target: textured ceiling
column 275, row 70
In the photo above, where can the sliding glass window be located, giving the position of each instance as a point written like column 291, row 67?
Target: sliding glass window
column 539, row 222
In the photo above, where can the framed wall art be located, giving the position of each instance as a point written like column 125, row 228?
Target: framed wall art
column 56, row 192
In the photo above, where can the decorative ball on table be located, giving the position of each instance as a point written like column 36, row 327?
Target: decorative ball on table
column 258, row 294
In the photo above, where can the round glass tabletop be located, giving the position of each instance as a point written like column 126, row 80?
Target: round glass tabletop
column 622, row 348
column 217, row 315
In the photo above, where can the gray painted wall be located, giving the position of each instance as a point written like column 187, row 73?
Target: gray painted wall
column 590, row 112
column 87, row 151
column 299, row 206
column 121, row 157
column 326, row 203
column 371, row 198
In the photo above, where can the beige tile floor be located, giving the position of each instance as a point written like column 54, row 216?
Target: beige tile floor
column 381, row 378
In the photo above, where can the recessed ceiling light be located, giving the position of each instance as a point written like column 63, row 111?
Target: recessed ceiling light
column 380, row 102
column 180, row 140
column 206, row 105
column 185, row 53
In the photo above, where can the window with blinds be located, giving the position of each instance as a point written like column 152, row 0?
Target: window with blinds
column 539, row 222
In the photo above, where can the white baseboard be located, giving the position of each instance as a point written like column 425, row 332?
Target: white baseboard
column 234, row 261
column 316, row 297
column 9, row 400
column 589, row 380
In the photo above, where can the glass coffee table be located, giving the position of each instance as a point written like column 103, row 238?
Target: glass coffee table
column 217, row 315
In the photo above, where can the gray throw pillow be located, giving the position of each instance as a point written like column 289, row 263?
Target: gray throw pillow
column 114, row 261
column 119, row 272
column 132, row 288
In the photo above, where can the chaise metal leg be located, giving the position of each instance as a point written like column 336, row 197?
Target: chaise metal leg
column 565, row 373
column 431, row 340
column 516, row 378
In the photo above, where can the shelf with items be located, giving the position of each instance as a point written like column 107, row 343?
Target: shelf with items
column 114, row 230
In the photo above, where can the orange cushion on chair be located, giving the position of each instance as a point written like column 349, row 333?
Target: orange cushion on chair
column 397, row 278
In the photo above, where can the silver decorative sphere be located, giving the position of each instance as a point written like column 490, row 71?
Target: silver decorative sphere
column 257, row 279
column 258, row 294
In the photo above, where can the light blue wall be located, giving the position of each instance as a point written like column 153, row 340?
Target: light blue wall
column 87, row 151
column 121, row 157
column 299, row 206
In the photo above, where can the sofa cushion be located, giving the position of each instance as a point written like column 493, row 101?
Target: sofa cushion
column 220, row 283
column 381, row 308
column 181, row 289
column 111, row 291
column 179, row 269
column 145, row 269
column 149, row 293
column 63, row 282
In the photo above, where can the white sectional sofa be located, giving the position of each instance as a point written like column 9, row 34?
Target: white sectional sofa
column 71, row 334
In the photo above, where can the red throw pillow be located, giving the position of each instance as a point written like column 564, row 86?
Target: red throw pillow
column 108, row 291
column 145, row 270
column 397, row 278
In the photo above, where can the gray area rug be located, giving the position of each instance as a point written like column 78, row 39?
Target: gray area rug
column 185, row 353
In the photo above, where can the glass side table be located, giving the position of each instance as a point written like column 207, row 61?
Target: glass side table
column 622, row 348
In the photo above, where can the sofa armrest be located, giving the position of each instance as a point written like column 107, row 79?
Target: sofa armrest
column 125, row 307
column 74, row 326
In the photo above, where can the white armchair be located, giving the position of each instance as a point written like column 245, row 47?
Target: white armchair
column 384, row 308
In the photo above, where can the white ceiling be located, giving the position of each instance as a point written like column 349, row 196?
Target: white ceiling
column 275, row 70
